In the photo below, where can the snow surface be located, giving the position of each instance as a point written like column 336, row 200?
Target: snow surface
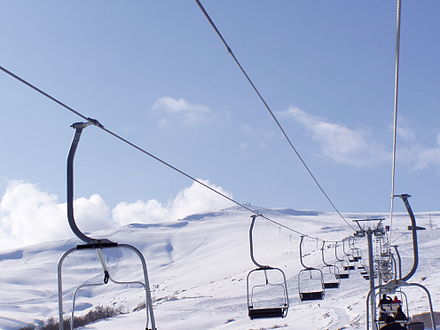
column 197, row 270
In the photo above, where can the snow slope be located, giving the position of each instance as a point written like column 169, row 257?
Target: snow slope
column 197, row 269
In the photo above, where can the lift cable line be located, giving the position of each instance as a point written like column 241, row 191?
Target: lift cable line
column 268, row 108
column 396, row 98
column 99, row 125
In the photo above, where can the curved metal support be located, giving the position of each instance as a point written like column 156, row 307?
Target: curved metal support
column 145, row 284
column 343, row 247
column 404, row 198
column 399, row 260
column 70, row 214
column 251, row 243
column 336, row 253
column 322, row 254
column 72, row 315
column 301, row 254
column 394, row 266
column 397, row 284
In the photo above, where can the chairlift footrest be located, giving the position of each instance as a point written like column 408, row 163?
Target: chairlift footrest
column 305, row 296
column 332, row 285
column 96, row 245
column 263, row 313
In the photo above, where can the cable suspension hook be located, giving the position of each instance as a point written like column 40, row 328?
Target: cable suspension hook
column 413, row 229
column 79, row 126
column 251, row 243
column 322, row 254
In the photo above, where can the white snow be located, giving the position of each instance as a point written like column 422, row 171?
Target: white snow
column 197, row 270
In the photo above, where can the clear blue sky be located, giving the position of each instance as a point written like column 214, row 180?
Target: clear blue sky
column 155, row 72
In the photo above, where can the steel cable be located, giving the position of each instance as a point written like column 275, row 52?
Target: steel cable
column 266, row 105
column 99, row 125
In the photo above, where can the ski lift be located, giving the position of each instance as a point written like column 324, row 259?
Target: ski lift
column 330, row 273
column 260, row 297
column 397, row 285
column 344, row 269
column 310, row 280
column 98, row 245
column 350, row 261
column 356, row 254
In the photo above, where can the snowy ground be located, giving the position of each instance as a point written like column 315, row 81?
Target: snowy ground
column 197, row 270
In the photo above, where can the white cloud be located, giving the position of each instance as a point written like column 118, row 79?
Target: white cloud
column 191, row 200
column 428, row 157
column 29, row 215
column 171, row 111
column 404, row 130
column 339, row 142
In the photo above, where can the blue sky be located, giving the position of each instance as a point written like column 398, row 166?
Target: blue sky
column 155, row 73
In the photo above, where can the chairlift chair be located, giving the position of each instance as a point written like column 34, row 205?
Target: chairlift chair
column 261, row 301
column 343, row 266
column 311, row 284
column 356, row 254
column 398, row 284
column 98, row 245
column 331, row 276
column 310, row 280
column 330, row 272
column 350, row 260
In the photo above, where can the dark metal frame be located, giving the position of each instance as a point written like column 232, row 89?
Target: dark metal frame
column 94, row 244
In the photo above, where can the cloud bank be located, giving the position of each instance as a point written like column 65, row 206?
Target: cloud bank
column 339, row 142
column 29, row 215
column 173, row 111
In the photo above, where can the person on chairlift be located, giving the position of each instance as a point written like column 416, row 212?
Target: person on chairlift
column 382, row 315
column 396, row 300
column 391, row 324
column 385, row 300
column 400, row 315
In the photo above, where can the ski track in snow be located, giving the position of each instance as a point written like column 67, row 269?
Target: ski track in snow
column 198, row 275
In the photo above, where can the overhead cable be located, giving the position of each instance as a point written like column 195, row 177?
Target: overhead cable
column 396, row 98
column 99, row 125
column 266, row 105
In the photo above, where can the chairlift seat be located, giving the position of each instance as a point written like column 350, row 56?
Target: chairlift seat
column 305, row 296
column 415, row 326
column 331, row 285
column 343, row 275
column 263, row 313
column 391, row 307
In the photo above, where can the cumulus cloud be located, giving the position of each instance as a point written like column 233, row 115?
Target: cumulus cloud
column 171, row 111
column 428, row 157
column 337, row 141
column 191, row 200
column 29, row 215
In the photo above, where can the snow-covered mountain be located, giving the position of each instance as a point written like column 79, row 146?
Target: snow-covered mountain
column 197, row 269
